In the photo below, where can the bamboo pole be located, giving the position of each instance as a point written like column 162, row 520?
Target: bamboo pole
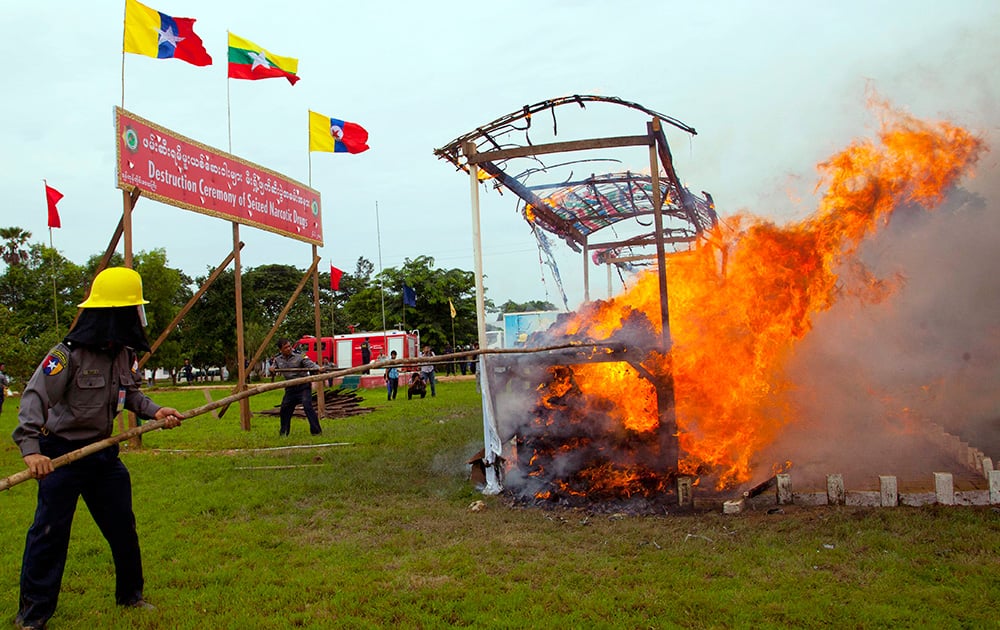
column 24, row 475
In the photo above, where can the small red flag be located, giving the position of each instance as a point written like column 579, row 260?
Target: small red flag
column 335, row 278
column 52, row 196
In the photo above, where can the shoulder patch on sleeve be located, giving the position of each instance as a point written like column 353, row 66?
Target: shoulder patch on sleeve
column 54, row 362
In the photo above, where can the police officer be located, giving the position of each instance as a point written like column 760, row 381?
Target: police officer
column 296, row 394
column 70, row 401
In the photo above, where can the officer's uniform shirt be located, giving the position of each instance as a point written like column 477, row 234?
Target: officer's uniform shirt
column 295, row 361
column 76, row 393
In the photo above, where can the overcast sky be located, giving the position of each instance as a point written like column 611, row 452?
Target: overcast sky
column 772, row 88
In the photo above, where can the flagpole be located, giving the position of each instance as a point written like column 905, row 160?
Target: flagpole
column 124, row 17
column 241, row 367
column 55, row 301
column 229, row 116
column 333, row 307
column 381, row 281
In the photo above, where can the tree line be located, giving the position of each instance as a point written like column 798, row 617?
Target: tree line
column 40, row 288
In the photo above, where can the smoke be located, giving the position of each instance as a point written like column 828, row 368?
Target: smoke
column 870, row 372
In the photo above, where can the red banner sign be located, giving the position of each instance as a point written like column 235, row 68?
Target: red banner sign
column 181, row 172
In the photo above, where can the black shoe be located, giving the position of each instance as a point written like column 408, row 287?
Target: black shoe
column 140, row 604
column 315, row 433
column 20, row 625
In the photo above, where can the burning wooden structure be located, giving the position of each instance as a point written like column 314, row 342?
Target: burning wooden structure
column 735, row 342
column 575, row 209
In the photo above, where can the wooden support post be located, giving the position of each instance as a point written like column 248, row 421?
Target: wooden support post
column 320, row 397
column 241, row 368
column 127, row 226
column 586, row 271
column 665, row 400
column 685, row 497
column 835, row 494
column 128, row 202
column 888, row 491
column 944, row 488
column 784, row 481
column 994, row 487
column 491, row 436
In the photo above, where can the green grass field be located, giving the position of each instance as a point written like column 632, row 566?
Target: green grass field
column 378, row 532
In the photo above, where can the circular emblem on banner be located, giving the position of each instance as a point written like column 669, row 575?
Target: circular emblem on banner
column 315, row 208
column 131, row 139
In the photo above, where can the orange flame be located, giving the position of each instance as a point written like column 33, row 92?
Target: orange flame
column 738, row 307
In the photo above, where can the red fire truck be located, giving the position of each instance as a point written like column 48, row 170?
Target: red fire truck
column 344, row 351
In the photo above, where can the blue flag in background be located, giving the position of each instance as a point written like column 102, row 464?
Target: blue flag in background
column 409, row 296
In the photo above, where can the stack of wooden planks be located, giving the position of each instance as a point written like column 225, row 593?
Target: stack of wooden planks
column 340, row 403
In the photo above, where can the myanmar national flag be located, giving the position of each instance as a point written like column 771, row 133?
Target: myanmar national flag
column 336, row 136
column 247, row 60
column 154, row 34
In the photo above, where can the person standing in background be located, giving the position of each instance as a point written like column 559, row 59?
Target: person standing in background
column 427, row 370
column 392, row 378
column 366, row 354
column 296, row 394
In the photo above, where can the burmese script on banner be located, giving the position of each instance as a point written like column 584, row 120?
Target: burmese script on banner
column 176, row 170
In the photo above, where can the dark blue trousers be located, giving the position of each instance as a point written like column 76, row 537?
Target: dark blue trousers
column 104, row 483
column 294, row 396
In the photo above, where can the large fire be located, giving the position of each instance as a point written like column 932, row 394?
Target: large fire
column 738, row 305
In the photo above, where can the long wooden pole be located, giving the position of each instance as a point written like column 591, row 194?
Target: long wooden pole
column 24, row 475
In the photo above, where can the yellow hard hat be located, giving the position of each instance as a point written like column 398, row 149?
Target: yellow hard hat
column 115, row 286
